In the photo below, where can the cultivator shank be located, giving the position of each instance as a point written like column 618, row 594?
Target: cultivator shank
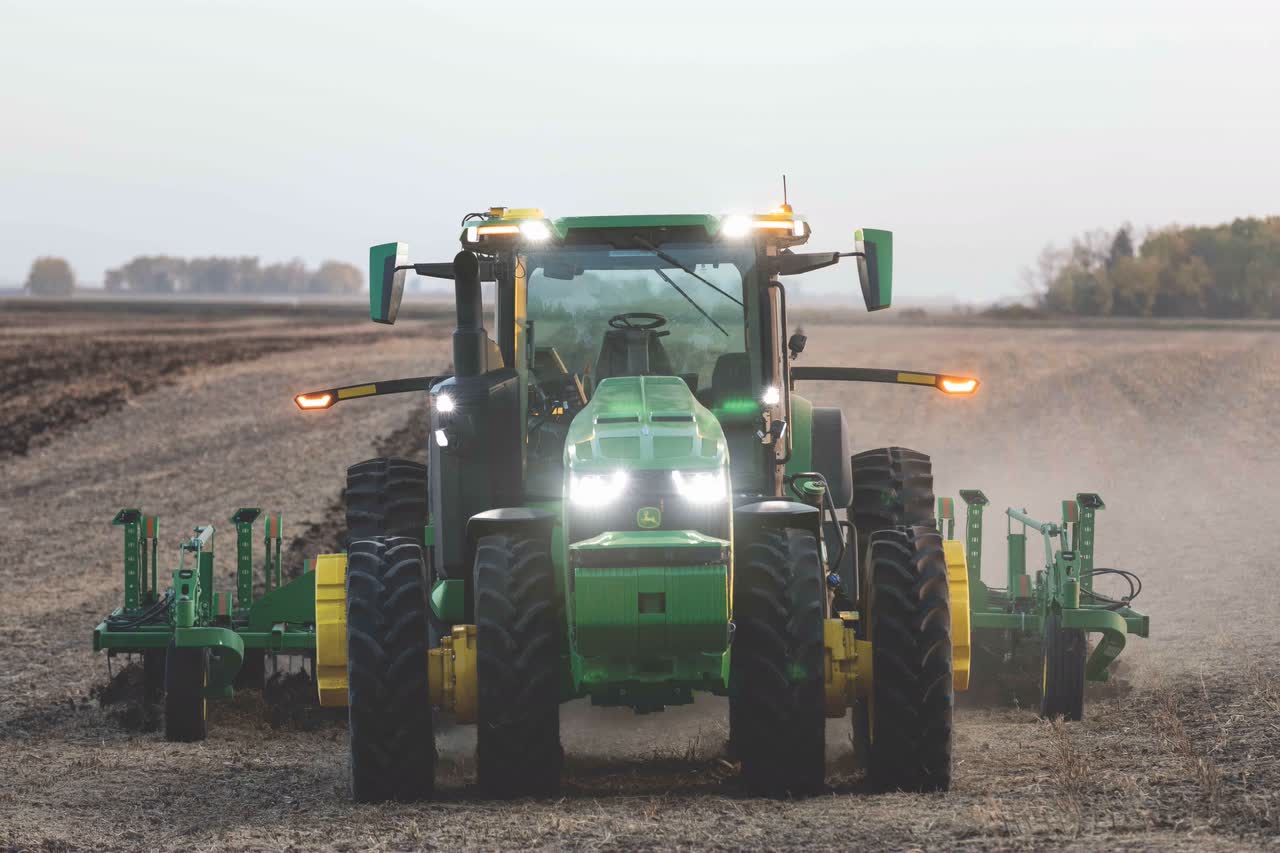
column 223, row 628
column 1053, row 608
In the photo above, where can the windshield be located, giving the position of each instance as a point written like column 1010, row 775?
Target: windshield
column 696, row 288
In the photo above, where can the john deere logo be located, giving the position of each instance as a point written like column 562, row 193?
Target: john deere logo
column 649, row 517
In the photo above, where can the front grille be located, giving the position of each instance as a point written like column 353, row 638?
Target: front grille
column 648, row 489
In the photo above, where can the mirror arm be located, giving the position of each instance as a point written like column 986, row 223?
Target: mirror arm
column 790, row 263
column 444, row 270
column 947, row 383
column 330, row 397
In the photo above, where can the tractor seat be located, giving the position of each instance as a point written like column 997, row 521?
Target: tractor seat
column 632, row 352
column 732, row 394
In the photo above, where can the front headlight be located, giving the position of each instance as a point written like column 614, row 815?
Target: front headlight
column 596, row 489
column 701, row 487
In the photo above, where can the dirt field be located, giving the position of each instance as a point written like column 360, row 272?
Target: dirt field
column 1175, row 428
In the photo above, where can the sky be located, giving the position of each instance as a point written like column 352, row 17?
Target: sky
column 978, row 132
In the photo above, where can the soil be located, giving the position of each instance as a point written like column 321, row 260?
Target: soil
column 1174, row 427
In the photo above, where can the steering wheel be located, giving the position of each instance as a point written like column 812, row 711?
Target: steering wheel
column 628, row 321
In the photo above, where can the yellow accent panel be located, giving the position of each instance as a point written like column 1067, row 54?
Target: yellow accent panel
column 917, row 378
column 331, row 629
column 451, row 674
column 524, row 213
column 958, row 581
column 848, row 666
column 357, row 391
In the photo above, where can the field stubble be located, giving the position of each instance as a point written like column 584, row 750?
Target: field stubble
column 1173, row 428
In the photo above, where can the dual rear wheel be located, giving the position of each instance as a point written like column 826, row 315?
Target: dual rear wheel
column 517, row 669
column 903, row 730
column 777, row 719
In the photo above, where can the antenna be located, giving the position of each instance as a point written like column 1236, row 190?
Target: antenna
column 784, row 189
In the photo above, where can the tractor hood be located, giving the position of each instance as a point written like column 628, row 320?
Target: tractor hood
column 644, row 422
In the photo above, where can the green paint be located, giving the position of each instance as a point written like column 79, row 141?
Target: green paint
column 294, row 604
column 386, row 285
column 801, row 429
column 131, row 520
column 618, row 428
column 448, row 600
column 739, row 408
column 660, row 615
column 225, row 644
column 875, row 270
column 566, row 224
column 243, row 519
column 282, row 620
column 1002, row 617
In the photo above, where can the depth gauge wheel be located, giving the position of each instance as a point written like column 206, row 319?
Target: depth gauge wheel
column 906, row 723
column 518, row 627
column 186, row 710
column 776, row 692
column 1063, row 653
column 393, row 753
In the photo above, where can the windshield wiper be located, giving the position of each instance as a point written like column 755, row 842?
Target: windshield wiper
column 664, row 256
column 668, row 280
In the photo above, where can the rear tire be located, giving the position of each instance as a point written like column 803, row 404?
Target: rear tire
column 386, row 497
column 393, row 753
column 518, row 629
column 1063, row 653
column 892, row 487
column 908, row 721
column 186, row 710
column 776, row 697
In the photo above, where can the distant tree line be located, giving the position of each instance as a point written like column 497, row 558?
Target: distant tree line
column 50, row 276
column 215, row 276
column 1217, row 271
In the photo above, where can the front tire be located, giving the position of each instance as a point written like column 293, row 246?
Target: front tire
column 1063, row 653
column 777, row 718
column 393, row 753
column 907, row 724
column 186, row 710
column 518, row 628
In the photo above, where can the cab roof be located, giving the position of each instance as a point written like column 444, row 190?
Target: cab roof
column 780, row 224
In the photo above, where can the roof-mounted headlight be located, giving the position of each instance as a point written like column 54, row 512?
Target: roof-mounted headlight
column 738, row 225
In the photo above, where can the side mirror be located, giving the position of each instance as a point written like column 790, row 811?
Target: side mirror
column 386, row 283
column 875, row 267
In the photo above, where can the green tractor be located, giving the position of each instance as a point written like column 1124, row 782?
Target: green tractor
column 626, row 501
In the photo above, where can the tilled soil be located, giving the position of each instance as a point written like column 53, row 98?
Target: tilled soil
column 1173, row 428
column 59, row 371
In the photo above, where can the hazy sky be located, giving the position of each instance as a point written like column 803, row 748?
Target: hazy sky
column 977, row 131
